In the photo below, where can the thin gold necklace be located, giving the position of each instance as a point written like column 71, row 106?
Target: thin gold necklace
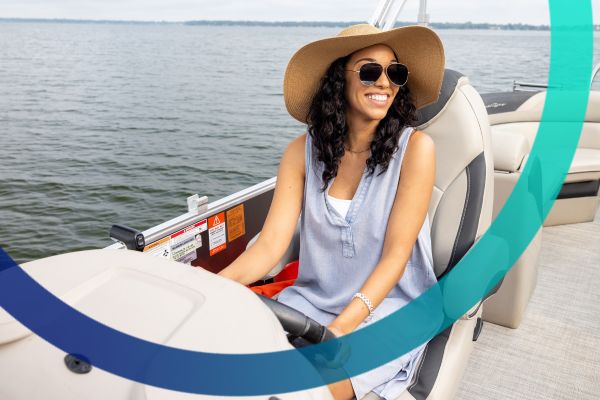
column 356, row 152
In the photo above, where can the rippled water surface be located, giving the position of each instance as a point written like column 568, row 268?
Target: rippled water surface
column 104, row 124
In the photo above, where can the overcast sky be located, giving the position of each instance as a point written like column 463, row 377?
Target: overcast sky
column 494, row 11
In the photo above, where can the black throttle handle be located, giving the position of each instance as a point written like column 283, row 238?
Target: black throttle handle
column 296, row 323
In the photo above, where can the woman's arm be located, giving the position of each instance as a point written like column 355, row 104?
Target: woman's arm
column 281, row 221
column 406, row 219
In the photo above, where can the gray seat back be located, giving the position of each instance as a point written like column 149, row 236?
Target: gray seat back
column 461, row 205
column 460, row 211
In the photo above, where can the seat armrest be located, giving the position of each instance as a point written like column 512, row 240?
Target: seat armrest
column 510, row 150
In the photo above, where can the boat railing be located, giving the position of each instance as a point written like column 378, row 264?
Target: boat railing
column 386, row 13
column 525, row 86
column 198, row 209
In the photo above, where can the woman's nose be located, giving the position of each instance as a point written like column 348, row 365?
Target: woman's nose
column 383, row 80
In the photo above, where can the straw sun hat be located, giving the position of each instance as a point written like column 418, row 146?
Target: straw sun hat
column 418, row 47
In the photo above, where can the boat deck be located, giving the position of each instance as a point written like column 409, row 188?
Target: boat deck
column 555, row 352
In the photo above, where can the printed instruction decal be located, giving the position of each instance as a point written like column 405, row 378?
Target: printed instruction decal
column 236, row 226
column 185, row 242
column 216, row 233
column 160, row 248
column 180, row 246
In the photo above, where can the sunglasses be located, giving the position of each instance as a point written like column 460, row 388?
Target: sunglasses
column 369, row 73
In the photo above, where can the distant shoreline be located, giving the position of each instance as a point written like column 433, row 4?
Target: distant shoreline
column 436, row 25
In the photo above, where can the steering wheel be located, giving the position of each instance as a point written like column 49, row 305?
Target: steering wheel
column 302, row 330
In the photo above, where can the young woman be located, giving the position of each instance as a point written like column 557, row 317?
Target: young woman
column 361, row 181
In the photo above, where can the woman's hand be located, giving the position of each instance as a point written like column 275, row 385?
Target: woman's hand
column 336, row 330
column 338, row 356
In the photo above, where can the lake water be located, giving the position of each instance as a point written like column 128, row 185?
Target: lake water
column 104, row 124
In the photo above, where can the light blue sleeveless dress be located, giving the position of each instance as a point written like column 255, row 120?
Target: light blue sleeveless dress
column 338, row 254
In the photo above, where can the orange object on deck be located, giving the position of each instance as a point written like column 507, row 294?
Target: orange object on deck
column 271, row 289
column 290, row 271
column 285, row 278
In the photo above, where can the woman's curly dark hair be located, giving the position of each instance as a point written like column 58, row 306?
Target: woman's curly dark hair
column 328, row 129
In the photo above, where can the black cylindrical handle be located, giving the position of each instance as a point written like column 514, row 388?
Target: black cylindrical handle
column 132, row 238
column 296, row 323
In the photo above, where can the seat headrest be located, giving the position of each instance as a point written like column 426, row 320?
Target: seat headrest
column 449, row 83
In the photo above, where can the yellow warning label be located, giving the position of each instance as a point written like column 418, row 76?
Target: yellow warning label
column 236, row 226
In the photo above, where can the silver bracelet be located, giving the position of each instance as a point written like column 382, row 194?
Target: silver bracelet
column 367, row 302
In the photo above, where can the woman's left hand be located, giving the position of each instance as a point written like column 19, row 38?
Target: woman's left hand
column 341, row 353
column 337, row 331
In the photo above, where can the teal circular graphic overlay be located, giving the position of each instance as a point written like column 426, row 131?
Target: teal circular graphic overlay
column 469, row 281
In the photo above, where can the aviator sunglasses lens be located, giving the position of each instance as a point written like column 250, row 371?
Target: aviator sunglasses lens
column 369, row 73
column 398, row 73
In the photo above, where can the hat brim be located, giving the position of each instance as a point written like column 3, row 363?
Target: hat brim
column 417, row 47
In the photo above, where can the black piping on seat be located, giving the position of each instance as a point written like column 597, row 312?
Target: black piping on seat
column 430, row 365
column 469, row 222
column 429, row 368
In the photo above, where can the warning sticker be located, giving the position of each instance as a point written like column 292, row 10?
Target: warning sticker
column 216, row 233
column 160, row 248
column 180, row 246
column 185, row 242
column 236, row 226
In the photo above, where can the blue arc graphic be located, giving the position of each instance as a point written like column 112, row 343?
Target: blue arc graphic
column 293, row 370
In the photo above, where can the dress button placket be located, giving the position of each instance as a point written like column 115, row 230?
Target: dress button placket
column 347, row 235
column 347, row 242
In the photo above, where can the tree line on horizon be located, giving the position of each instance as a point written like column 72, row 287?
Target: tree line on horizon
column 341, row 24
column 435, row 25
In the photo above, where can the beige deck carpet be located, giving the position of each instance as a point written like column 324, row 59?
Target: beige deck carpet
column 555, row 353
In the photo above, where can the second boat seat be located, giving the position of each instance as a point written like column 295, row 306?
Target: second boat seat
column 515, row 119
column 508, row 305
column 514, row 126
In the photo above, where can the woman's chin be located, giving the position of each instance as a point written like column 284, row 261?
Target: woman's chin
column 373, row 113
column 376, row 115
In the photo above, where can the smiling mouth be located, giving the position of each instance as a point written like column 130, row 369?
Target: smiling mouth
column 378, row 98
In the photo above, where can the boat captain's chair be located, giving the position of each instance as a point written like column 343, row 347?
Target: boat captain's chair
column 460, row 211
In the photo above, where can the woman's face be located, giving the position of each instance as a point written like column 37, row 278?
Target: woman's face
column 369, row 102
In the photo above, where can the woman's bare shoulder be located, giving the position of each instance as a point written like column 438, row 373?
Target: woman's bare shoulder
column 420, row 141
column 420, row 154
column 293, row 157
column 420, row 146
